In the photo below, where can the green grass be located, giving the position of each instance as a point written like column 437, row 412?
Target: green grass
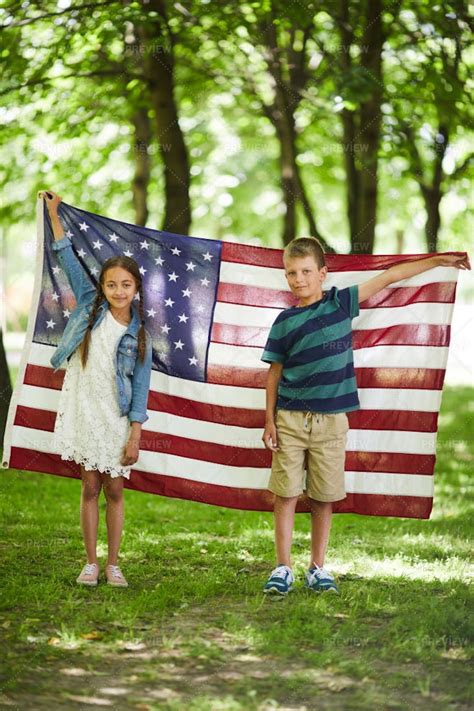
column 193, row 630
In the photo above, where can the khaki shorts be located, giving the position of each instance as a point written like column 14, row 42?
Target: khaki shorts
column 317, row 441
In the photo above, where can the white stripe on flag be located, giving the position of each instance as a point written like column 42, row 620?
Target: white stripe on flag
column 373, row 357
column 411, row 314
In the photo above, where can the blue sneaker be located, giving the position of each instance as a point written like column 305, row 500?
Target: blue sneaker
column 319, row 580
column 280, row 581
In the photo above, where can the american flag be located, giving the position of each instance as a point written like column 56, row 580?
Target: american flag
column 209, row 306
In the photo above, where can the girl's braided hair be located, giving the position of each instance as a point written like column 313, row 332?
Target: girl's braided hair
column 130, row 266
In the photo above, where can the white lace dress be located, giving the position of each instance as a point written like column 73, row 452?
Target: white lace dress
column 89, row 428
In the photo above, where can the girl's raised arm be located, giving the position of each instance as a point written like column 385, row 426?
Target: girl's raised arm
column 81, row 284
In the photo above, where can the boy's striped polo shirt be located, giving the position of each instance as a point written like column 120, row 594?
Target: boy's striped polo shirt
column 314, row 343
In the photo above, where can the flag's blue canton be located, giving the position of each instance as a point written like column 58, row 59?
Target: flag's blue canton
column 180, row 278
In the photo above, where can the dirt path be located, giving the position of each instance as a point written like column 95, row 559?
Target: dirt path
column 191, row 664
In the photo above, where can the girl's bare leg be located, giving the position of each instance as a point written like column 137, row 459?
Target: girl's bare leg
column 91, row 486
column 113, row 490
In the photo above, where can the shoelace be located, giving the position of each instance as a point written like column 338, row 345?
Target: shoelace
column 90, row 568
column 116, row 572
column 320, row 573
column 280, row 572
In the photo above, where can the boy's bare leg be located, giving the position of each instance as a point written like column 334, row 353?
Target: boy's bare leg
column 284, row 513
column 321, row 517
column 91, row 486
column 113, row 490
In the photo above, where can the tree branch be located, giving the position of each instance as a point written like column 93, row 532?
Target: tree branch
column 70, row 10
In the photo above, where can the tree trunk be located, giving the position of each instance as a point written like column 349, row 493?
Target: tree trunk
column 160, row 76
column 141, row 178
column 369, row 130
column 352, row 174
column 282, row 116
column 361, row 128
column 432, row 198
column 433, row 193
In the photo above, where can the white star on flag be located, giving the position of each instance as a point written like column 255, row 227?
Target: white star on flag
column 190, row 266
column 55, row 296
column 50, row 324
column 113, row 237
column 83, row 226
column 186, row 292
column 159, row 261
column 56, row 270
column 97, row 245
column 81, row 253
column 169, row 302
column 151, row 312
column 144, row 245
column 193, row 361
column 176, row 251
column 142, row 271
column 207, row 257
column 183, row 318
column 179, row 345
column 172, row 277
column 128, row 253
column 66, row 313
column 165, row 329
column 205, row 282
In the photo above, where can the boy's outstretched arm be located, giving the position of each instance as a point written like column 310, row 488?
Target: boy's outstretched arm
column 408, row 269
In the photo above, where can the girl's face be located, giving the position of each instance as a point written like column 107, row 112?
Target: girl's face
column 119, row 287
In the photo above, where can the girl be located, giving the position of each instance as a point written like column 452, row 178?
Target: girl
column 102, row 405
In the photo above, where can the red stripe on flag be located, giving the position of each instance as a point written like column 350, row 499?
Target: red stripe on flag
column 400, row 378
column 395, row 378
column 441, row 292
column 43, row 377
column 403, row 335
column 255, row 296
column 242, row 377
column 35, row 419
column 390, row 462
column 420, row 334
column 396, row 420
column 238, row 498
column 207, row 412
column 269, row 257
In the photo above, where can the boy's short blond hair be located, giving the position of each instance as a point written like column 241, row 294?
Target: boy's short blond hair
column 304, row 247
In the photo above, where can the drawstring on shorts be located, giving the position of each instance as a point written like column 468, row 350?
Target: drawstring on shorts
column 308, row 420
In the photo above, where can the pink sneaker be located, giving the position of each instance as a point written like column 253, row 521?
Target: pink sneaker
column 115, row 576
column 89, row 575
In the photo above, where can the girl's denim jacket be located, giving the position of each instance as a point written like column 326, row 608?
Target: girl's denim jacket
column 133, row 376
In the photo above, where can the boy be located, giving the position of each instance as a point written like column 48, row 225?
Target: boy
column 311, row 385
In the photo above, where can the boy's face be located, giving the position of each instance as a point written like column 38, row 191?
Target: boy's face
column 305, row 279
